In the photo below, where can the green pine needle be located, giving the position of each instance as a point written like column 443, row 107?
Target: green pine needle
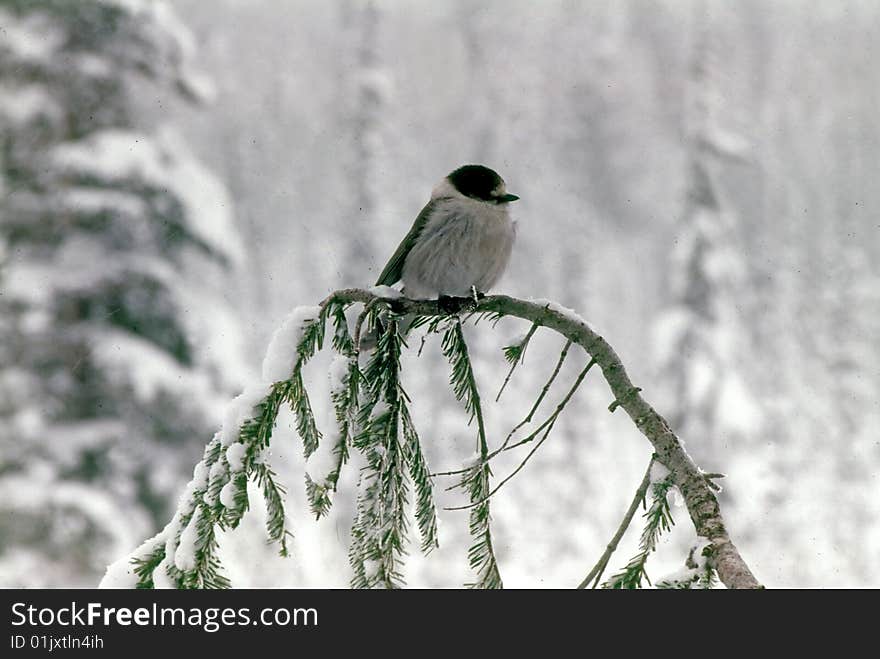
column 474, row 480
column 659, row 519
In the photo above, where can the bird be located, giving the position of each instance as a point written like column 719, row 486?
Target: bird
column 458, row 246
column 461, row 241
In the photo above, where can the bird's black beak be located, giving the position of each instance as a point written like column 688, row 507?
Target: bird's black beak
column 503, row 199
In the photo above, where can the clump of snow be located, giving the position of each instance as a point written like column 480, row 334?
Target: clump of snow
column 235, row 456
column 281, row 354
column 687, row 574
column 569, row 314
column 338, row 374
column 371, row 568
column 120, row 574
column 161, row 580
column 324, row 460
column 239, row 410
column 185, row 554
column 227, row 495
column 674, row 497
column 187, row 500
column 385, row 292
column 217, row 475
column 200, row 476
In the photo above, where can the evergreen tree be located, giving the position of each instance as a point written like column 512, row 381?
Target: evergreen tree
column 700, row 337
column 365, row 96
column 114, row 327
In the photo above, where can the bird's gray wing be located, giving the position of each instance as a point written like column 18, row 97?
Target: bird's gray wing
column 394, row 269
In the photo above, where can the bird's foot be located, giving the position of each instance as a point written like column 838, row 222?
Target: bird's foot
column 452, row 305
column 476, row 295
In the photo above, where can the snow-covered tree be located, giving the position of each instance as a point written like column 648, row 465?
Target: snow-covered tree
column 699, row 338
column 117, row 343
column 364, row 98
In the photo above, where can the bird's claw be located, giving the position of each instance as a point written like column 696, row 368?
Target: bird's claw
column 452, row 305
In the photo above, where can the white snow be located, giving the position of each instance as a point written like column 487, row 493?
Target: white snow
column 185, row 554
column 38, row 489
column 338, row 373
column 659, row 472
column 20, row 105
column 569, row 314
column 385, row 292
column 667, row 332
column 200, row 476
column 32, row 38
column 187, row 500
column 120, row 574
column 149, row 369
column 371, row 568
column 161, row 580
column 92, row 200
column 323, row 460
column 80, row 263
column 689, row 574
column 239, row 410
column 281, row 355
column 675, row 498
column 235, row 456
column 737, row 409
column 517, row 339
column 217, row 474
column 120, row 155
column 227, row 495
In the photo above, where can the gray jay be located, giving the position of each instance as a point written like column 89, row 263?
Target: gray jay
column 461, row 241
column 459, row 245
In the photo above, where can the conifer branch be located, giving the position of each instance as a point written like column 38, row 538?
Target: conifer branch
column 515, row 354
column 476, row 480
column 546, row 426
column 659, row 520
column 540, row 399
column 699, row 498
column 594, row 576
column 372, row 416
column 698, row 573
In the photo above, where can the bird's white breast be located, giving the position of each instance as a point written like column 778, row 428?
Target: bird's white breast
column 465, row 243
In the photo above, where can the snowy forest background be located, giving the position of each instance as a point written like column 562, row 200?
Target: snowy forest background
column 698, row 180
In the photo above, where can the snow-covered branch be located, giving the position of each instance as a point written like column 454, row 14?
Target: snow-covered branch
column 372, row 411
column 699, row 498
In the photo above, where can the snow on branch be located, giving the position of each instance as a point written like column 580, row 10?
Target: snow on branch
column 372, row 415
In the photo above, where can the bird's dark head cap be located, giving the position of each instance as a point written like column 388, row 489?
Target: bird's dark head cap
column 480, row 182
